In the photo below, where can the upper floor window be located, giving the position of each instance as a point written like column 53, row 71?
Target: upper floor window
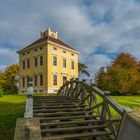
column 55, row 60
column 23, row 54
column 64, row 63
column 72, row 64
column 35, row 80
column 28, row 63
column 35, row 61
column 24, row 65
column 64, row 51
column 41, row 48
column 35, row 50
column 41, row 80
column 41, row 60
column 55, row 80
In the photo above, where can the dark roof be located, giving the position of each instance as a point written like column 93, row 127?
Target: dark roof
column 47, row 38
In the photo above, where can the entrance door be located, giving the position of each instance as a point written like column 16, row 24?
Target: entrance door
column 64, row 79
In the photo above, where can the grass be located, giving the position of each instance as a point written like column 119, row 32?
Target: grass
column 132, row 102
column 13, row 106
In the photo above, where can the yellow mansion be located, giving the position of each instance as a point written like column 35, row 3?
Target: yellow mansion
column 48, row 62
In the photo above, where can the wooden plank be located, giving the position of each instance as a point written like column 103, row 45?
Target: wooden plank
column 60, row 106
column 69, row 117
column 51, row 104
column 61, row 113
column 72, row 129
column 60, row 110
column 79, row 135
column 70, row 122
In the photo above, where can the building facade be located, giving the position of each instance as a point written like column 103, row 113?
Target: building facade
column 48, row 62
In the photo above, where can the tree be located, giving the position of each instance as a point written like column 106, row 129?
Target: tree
column 122, row 76
column 8, row 79
column 82, row 68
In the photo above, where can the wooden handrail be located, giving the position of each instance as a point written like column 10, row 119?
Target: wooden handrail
column 87, row 94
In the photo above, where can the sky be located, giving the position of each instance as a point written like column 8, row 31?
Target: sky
column 98, row 29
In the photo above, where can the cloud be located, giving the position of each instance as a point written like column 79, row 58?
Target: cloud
column 7, row 57
column 97, row 29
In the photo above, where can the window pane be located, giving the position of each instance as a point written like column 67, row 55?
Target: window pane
column 54, row 80
column 35, row 80
column 35, row 61
column 23, row 82
column 41, row 60
column 23, row 64
column 64, row 63
column 54, row 60
column 41, row 80
column 72, row 64
column 28, row 63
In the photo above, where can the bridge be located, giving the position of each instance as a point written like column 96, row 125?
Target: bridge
column 79, row 111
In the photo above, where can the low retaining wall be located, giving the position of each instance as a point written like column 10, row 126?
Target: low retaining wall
column 27, row 129
column 130, row 128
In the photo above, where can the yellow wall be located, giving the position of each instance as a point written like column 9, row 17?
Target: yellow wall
column 59, row 69
column 48, row 68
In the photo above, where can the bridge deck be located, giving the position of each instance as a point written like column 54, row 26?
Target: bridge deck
column 62, row 117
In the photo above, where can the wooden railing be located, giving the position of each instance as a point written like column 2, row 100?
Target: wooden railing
column 107, row 110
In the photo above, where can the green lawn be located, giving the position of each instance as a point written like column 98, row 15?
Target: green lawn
column 132, row 102
column 13, row 106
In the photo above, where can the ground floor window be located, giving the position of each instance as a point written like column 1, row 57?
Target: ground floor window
column 41, row 80
column 35, row 80
column 23, row 81
column 55, row 80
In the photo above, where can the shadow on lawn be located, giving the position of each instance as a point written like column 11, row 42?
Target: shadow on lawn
column 9, row 112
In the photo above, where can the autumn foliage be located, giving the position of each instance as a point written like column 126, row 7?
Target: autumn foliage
column 121, row 77
column 8, row 79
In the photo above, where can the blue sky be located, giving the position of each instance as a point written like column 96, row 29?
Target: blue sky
column 99, row 29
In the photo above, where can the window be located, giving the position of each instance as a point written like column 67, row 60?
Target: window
column 28, row 52
column 28, row 63
column 41, row 60
column 35, row 80
column 64, row 79
column 64, row 51
column 54, row 60
column 28, row 80
column 72, row 54
column 55, row 49
column 35, row 50
column 35, row 61
column 41, row 48
column 64, row 63
column 23, row 64
column 41, row 80
column 72, row 64
column 23, row 54
column 55, row 80
column 23, row 82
